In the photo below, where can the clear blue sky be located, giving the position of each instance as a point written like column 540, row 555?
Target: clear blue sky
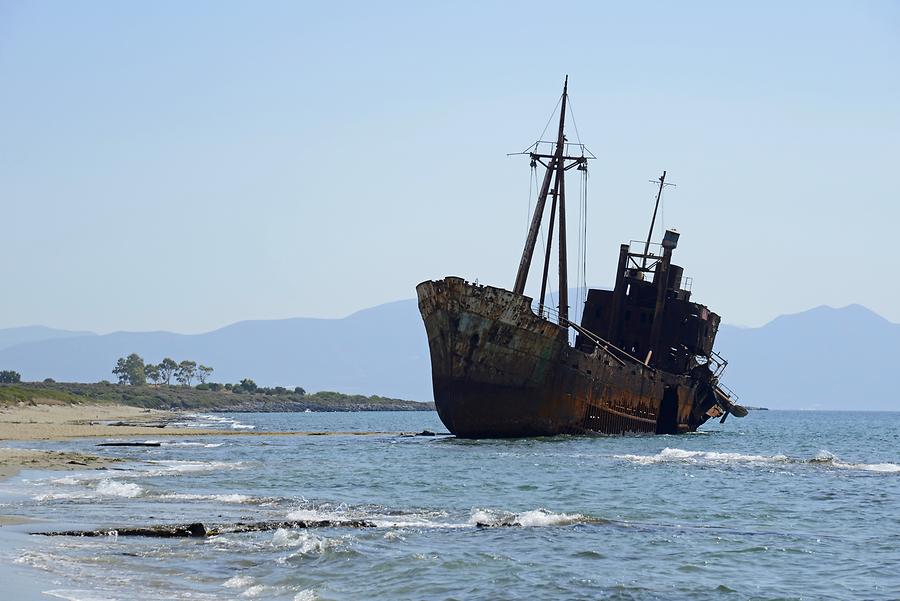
column 184, row 165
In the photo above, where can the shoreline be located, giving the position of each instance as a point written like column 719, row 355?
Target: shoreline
column 59, row 422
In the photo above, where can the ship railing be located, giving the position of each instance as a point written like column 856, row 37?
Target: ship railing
column 620, row 355
column 718, row 363
column 732, row 395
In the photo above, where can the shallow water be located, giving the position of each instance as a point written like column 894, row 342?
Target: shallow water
column 779, row 505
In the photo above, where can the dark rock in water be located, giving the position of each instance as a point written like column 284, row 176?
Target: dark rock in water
column 198, row 530
column 426, row 433
column 129, row 444
column 174, row 531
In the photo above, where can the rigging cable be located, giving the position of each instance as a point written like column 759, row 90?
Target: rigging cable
column 541, row 137
column 572, row 114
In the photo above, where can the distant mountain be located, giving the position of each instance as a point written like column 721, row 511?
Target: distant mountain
column 13, row 336
column 823, row 358
column 382, row 350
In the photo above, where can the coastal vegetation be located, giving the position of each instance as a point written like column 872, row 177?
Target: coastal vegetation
column 150, row 386
column 8, row 376
column 133, row 371
column 198, row 398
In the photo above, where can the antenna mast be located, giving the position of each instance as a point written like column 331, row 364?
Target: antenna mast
column 662, row 183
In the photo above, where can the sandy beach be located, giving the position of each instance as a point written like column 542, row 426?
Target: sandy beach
column 65, row 421
column 55, row 421
column 58, row 422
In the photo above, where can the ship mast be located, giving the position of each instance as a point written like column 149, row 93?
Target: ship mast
column 556, row 168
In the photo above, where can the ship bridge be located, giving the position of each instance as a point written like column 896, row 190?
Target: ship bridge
column 649, row 314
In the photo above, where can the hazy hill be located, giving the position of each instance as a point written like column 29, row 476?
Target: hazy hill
column 13, row 336
column 822, row 358
column 381, row 350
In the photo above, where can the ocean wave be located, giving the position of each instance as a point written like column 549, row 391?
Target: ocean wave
column 381, row 519
column 238, row 582
column 203, row 420
column 670, row 455
column 103, row 488
column 304, row 541
column 825, row 458
column 535, row 518
column 167, row 467
column 222, row 498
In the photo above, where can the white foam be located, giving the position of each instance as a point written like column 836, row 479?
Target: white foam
column 829, row 458
column 202, row 420
column 169, row 467
column 238, row 582
column 104, row 488
column 304, row 541
column 308, row 594
column 670, row 455
column 314, row 515
column 542, row 517
column 112, row 488
column 254, row 591
column 535, row 518
column 66, row 480
column 225, row 498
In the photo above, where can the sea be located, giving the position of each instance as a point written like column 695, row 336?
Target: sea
column 778, row 505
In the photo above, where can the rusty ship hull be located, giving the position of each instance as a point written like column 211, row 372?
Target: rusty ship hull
column 500, row 370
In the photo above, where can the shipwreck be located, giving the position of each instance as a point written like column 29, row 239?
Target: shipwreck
column 640, row 359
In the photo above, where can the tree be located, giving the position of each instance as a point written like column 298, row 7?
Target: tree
column 186, row 372
column 130, row 370
column 10, row 377
column 248, row 385
column 152, row 373
column 299, row 390
column 167, row 369
column 203, row 373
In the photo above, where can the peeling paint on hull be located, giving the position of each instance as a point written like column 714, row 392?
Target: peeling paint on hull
column 499, row 370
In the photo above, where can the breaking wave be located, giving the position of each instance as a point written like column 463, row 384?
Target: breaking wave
column 223, row 498
column 170, row 467
column 478, row 517
column 202, row 420
column 535, row 518
column 669, row 455
column 825, row 458
column 103, row 488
